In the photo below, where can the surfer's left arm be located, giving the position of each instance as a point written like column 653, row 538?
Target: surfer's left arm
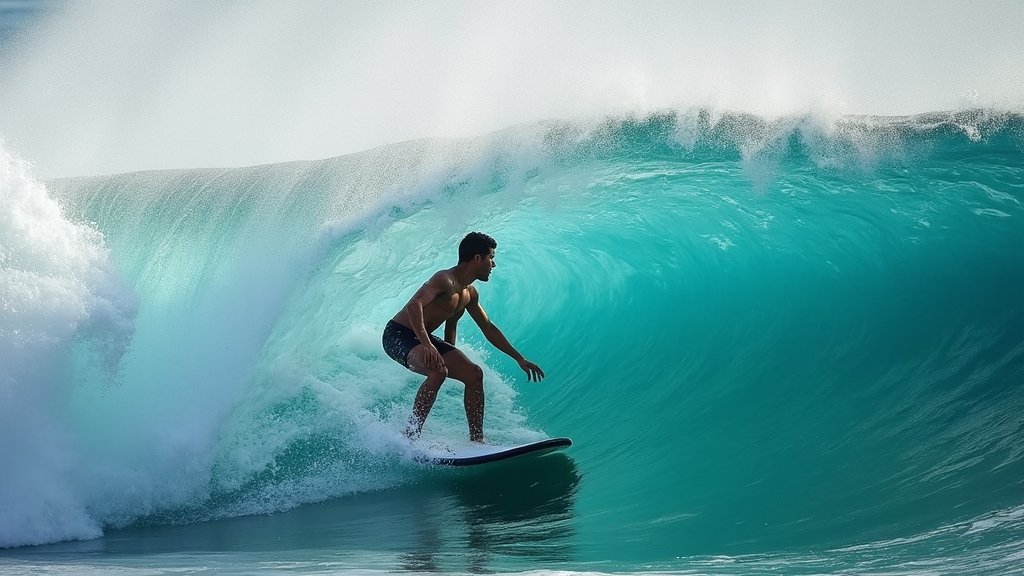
column 451, row 327
column 495, row 337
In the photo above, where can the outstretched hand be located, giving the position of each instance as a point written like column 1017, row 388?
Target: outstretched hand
column 533, row 372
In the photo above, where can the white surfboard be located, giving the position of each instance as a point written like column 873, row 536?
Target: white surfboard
column 473, row 454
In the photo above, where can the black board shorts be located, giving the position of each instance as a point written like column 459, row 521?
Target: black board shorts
column 399, row 340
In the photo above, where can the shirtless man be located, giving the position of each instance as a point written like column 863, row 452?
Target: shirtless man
column 444, row 298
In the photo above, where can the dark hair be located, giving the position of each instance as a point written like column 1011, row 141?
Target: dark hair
column 475, row 243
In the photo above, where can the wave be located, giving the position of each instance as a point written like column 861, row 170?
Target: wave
column 802, row 332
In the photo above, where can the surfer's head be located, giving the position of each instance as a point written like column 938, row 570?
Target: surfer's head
column 477, row 250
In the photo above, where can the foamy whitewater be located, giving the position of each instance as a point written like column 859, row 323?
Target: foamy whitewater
column 771, row 261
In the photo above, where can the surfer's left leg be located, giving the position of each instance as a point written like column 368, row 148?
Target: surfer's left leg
column 464, row 370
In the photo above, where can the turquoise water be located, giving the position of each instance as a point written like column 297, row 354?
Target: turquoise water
column 791, row 346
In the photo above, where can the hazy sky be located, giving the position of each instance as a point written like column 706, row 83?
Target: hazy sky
column 104, row 86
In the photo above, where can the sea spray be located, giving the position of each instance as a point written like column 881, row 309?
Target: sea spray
column 62, row 306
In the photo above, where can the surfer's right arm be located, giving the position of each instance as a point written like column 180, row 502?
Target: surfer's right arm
column 427, row 293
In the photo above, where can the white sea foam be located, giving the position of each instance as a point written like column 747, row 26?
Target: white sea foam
column 57, row 287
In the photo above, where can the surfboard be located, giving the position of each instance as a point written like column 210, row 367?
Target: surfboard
column 473, row 454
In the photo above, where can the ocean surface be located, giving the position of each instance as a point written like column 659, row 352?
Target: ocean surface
column 787, row 346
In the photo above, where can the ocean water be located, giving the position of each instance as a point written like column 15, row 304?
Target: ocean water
column 781, row 346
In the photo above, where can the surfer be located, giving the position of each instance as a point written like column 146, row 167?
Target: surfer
column 449, row 293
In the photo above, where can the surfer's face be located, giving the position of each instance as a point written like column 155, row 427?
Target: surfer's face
column 486, row 265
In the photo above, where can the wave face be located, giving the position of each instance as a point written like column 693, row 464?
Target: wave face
column 765, row 337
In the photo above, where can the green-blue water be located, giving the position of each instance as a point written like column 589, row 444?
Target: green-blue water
column 790, row 346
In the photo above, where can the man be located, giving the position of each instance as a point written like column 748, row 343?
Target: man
column 444, row 298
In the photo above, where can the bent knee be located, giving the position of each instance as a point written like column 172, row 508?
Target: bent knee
column 438, row 374
column 474, row 376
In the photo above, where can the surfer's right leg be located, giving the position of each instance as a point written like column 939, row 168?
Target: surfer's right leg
column 427, row 393
column 403, row 346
